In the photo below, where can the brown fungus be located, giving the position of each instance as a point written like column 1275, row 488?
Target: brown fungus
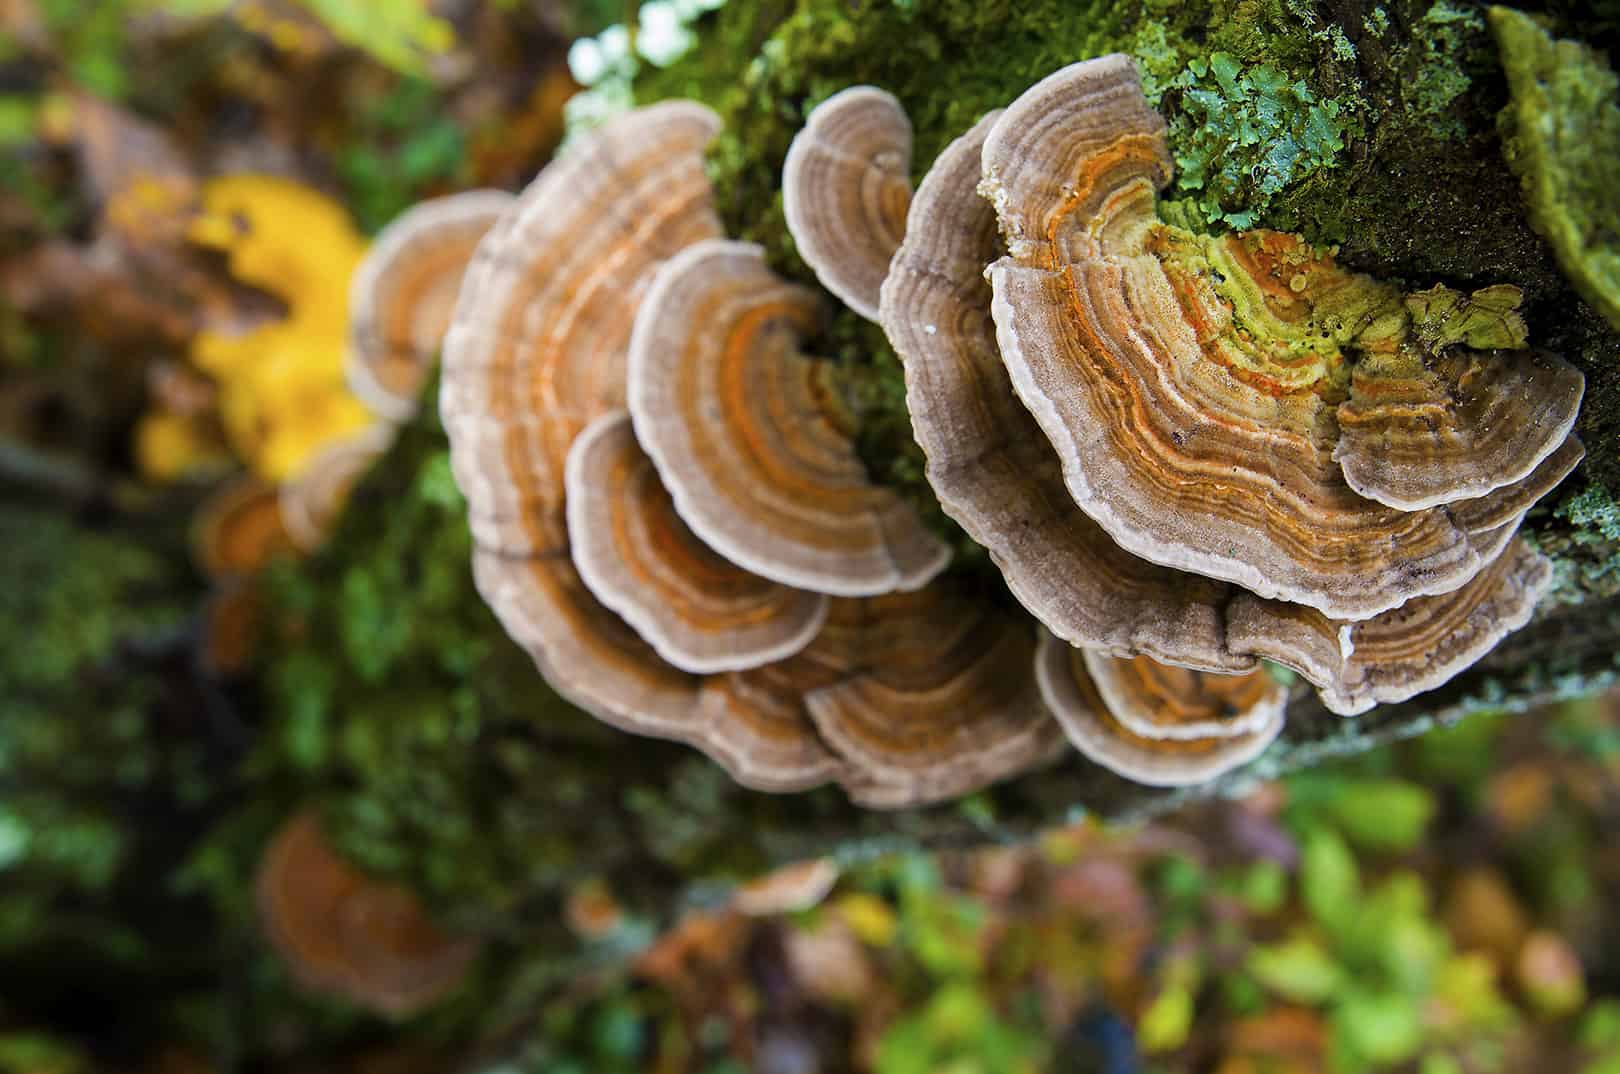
column 701, row 612
column 402, row 295
column 239, row 529
column 313, row 501
column 1401, row 653
column 789, row 889
column 1158, row 700
column 845, row 187
column 1191, row 384
column 751, row 438
column 1417, row 434
column 535, row 351
column 993, row 471
column 932, row 696
column 343, row 932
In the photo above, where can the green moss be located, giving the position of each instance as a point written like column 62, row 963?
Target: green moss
column 109, row 764
column 1563, row 139
column 1442, row 46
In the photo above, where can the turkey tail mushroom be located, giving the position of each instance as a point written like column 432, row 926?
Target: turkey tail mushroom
column 342, row 932
column 750, row 438
column 845, row 189
column 1140, row 729
column 403, row 293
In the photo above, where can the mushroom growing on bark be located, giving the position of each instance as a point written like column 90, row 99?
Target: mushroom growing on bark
column 993, row 471
column 845, row 188
column 997, row 475
column 700, row 611
column 342, row 932
column 402, row 295
column 903, row 698
column 1154, row 359
column 1156, row 724
column 750, row 437
column 312, row 501
column 934, row 696
column 239, row 529
column 1403, row 652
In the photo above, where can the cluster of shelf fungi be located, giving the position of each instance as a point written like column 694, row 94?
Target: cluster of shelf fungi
column 1187, row 454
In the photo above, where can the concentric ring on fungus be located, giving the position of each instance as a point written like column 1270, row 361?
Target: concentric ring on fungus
column 702, row 612
column 989, row 464
column 750, row 437
column 537, row 353
column 1168, row 702
column 342, row 932
column 845, row 187
column 1192, row 385
column 403, row 293
column 997, row 475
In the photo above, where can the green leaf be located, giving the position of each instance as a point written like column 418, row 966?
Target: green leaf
column 1377, row 1028
column 1163, row 1027
column 402, row 34
column 1384, row 814
column 1329, row 882
column 1298, row 969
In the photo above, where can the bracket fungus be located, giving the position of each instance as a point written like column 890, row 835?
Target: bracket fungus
column 750, row 437
column 1195, row 386
column 538, row 363
column 402, row 295
column 342, row 932
column 313, row 500
column 1403, row 652
column 1185, row 453
column 788, row 889
column 239, row 529
column 1447, row 398
column 700, row 611
column 1156, row 724
column 988, row 463
column 536, row 350
column 936, row 696
column 845, row 188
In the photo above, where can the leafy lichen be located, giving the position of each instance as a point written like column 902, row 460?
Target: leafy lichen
column 1244, row 134
column 1562, row 133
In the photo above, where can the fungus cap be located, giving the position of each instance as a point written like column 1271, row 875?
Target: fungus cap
column 402, row 295
column 1159, row 701
column 536, row 347
column 788, row 889
column 989, row 464
column 312, row 502
column 1417, row 434
column 536, row 351
column 750, row 439
column 845, row 187
column 1404, row 652
column 342, row 932
column 936, row 698
column 701, row 612
column 1095, row 729
column 1189, row 383
column 239, row 529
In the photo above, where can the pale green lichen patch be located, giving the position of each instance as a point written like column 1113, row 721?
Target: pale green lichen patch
column 1245, row 133
column 1562, row 137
